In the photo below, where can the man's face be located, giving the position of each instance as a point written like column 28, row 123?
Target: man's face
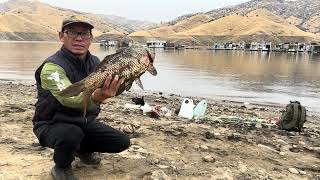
column 76, row 38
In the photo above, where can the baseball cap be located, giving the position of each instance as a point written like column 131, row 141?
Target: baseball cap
column 75, row 19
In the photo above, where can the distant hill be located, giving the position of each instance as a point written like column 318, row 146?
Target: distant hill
column 180, row 26
column 127, row 24
column 257, row 20
column 33, row 20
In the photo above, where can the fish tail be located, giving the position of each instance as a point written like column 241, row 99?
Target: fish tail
column 85, row 101
column 73, row 90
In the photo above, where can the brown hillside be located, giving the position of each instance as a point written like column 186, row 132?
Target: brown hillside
column 33, row 20
column 257, row 25
column 294, row 20
column 257, row 22
column 304, row 10
column 313, row 24
column 181, row 26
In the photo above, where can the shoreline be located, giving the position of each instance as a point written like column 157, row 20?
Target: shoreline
column 217, row 99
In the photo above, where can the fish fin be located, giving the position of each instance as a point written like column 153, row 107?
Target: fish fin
column 73, row 90
column 85, row 101
column 125, row 86
column 152, row 70
column 128, row 86
column 139, row 83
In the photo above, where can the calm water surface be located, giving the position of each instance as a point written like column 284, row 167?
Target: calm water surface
column 232, row 75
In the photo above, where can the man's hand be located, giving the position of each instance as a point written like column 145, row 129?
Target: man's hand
column 109, row 89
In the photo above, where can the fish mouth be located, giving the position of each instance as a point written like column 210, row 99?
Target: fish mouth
column 150, row 57
column 151, row 69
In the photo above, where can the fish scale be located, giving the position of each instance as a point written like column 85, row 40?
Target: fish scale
column 127, row 63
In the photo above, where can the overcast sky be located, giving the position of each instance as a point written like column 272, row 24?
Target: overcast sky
column 148, row 10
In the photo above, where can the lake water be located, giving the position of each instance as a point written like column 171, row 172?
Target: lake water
column 258, row 77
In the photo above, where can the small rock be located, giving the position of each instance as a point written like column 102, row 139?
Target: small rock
column 282, row 153
column 243, row 107
column 204, row 147
column 209, row 158
column 317, row 149
column 280, row 141
column 291, row 134
column 252, row 108
column 242, row 167
column 135, row 147
column 264, row 125
column 4, row 164
column 293, row 170
column 258, row 125
column 234, row 137
column 261, row 172
column 157, row 175
column 134, row 141
column 285, row 148
column 303, row 172
column 302, row 144
column 162, row 166
column 155, row 161
column 173, row 167
column 267, row 147
column 136, row 125
column 209, row 135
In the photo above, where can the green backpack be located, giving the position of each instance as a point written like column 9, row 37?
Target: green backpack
column 293, row 118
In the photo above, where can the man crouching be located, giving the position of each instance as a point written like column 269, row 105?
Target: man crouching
column 58, row 121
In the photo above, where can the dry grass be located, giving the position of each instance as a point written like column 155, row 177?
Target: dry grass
column 257, row 23
column 294, row 20
column 181, row 26
column 25, row 23
column 313, row 24
column 40, row 18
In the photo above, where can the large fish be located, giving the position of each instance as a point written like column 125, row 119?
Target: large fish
column 128, row 63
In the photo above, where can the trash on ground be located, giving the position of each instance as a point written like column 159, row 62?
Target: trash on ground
column 200, row 109
column 131, row 106
column 165, row 112
column 186, row 109
column 138, row 101
column 152, row 111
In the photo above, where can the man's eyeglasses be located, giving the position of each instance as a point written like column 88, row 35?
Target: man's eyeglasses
column 74, row 34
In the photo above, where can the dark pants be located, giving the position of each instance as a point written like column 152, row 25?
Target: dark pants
column 67, row 139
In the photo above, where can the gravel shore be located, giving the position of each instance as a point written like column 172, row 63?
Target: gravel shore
column 233, row 141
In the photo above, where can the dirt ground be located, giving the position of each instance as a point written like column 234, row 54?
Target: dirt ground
column 234, row 141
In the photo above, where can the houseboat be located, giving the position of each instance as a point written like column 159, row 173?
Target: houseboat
column 156, row 44
column 315, row 48
column 174, row 46
column 105, row 42
column 255, row 46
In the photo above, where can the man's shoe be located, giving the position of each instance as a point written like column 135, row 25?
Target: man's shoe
column 63, row 173
column 89, row 158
